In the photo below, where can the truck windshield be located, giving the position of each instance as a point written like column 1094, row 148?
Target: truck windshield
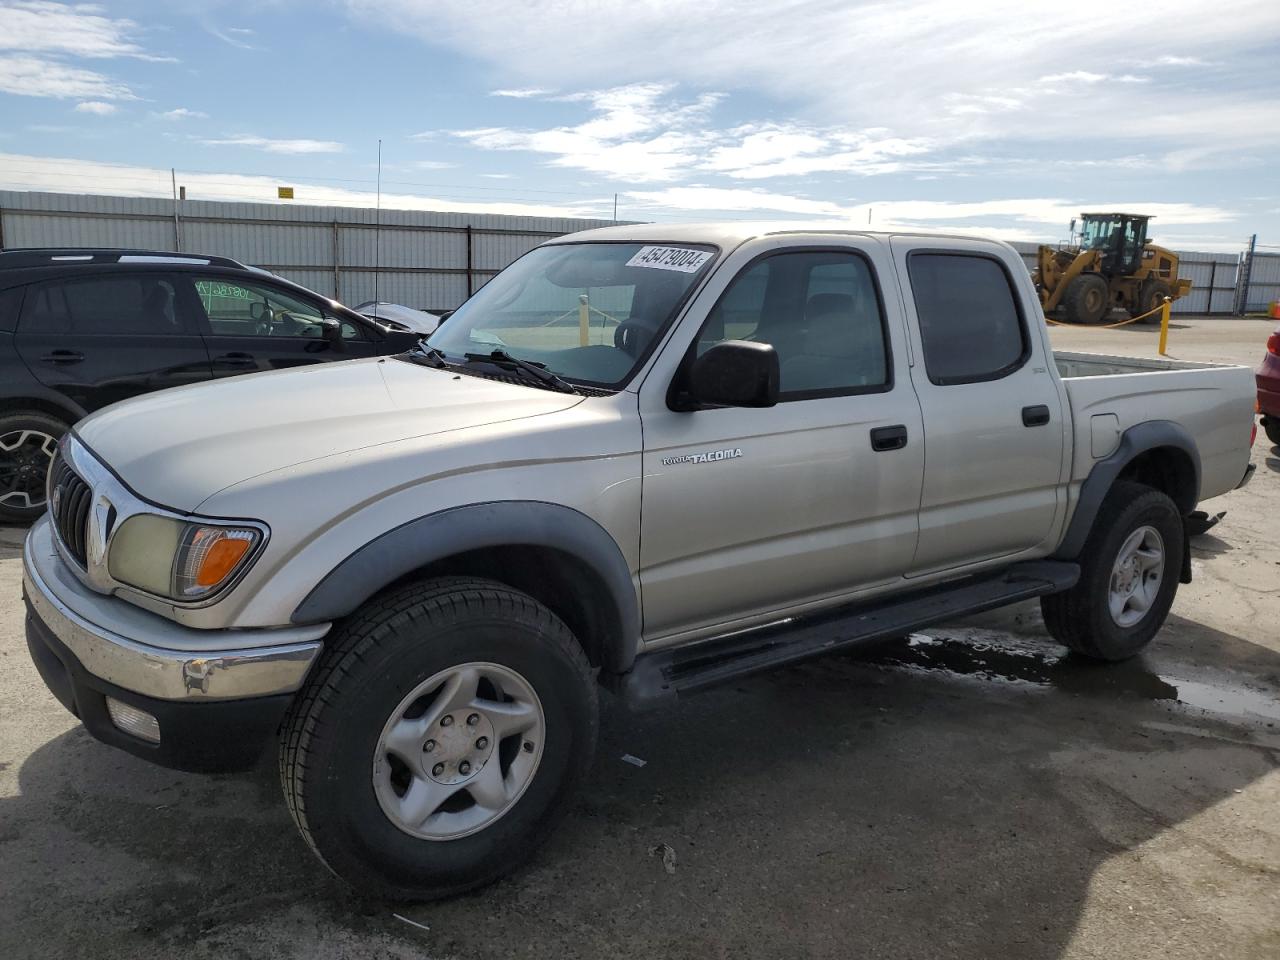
column 589, row 312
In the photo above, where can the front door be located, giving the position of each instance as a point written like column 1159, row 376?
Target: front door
column 748, row 512
column 100, row 339
column 993, row 413
column 255, row 325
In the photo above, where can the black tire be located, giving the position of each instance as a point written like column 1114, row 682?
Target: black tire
column 1150, row 295
column 1087, row 300
column 23, row 470
column 1080, row 618
column 370, row 663
column 1271, row 426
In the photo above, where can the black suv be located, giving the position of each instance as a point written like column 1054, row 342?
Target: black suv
column 80, row 329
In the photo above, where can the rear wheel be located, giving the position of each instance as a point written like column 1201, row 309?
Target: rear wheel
column 1272, row 428
column 439, row 739
column 1150, row 296
column 28, row 442
column 1129, row 571
column 1087, row 299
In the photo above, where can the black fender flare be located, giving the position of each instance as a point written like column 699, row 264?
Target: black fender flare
column 503, row 523
column 1135, row 441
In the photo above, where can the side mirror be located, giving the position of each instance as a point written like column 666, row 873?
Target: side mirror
column 330, row 329
column 735, row 373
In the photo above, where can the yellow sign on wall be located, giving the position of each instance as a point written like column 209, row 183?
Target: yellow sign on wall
column 284, row 193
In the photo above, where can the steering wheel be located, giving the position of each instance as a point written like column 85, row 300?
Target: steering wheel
column 631, row 337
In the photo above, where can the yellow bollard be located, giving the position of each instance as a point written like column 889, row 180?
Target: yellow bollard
column 1164, row 325
column 584, row 320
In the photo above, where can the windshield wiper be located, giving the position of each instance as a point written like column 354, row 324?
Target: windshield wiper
column 539, row 371
column 431, row 356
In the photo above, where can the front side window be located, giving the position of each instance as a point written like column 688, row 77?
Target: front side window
column 970, row 322
column 248, row 309
column 589, row 312
column 821, row 312
column 123, row 305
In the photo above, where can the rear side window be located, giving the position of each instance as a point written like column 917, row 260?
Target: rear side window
column 134, row 304
column 970, row 321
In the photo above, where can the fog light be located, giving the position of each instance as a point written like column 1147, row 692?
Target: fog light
column 133, row 721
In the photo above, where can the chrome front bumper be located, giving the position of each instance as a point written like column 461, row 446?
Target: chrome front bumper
column 154, row 657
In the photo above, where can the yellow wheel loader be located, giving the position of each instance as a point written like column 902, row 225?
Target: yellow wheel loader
column 1113, row 266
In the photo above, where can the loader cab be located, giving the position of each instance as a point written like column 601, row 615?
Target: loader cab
column 1119, row 237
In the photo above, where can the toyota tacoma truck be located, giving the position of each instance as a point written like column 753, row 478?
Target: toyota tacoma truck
column 644, row 458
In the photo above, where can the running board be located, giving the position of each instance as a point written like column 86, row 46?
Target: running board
column 663, row 676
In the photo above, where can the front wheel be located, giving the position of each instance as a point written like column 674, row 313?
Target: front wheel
column 28, row 441
column 1129, row 570
column 439, row 739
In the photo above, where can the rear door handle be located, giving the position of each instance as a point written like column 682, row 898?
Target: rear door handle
column 1036, row 416
column 889, row 438
column 236, row 360
column 63, row 356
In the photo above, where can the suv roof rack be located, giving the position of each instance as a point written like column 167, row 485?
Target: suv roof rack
column 50, row 256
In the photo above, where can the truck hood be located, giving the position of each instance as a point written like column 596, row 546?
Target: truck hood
column 179, row 447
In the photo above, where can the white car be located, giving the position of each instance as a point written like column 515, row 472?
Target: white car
column 419, row 321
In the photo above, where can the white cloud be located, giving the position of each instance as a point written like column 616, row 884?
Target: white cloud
column 237, row 37
column 274, row 146
column 36, row 77
column 637, row 133
column 432, row 165
column 975, row 215
column 96, row 107
column 80, row 30
column 927, row 70
column 520, row 93
column 64, row 175
column 644, row 133
column 182, row 113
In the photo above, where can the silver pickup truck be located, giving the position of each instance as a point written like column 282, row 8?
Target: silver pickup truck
column 648, row 458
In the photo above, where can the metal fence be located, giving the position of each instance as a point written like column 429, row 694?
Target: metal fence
column 433, row 261
column 1261, row 283
column 429, row 260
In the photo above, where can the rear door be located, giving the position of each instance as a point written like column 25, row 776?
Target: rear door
column 995, row 433
column 252, row 324
column 103, row 338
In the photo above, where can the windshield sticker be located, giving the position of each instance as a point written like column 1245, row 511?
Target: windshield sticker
column 670, row 258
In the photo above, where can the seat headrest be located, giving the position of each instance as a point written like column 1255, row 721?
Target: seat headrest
column 825, row 304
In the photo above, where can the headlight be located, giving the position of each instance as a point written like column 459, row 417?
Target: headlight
column 183, row 561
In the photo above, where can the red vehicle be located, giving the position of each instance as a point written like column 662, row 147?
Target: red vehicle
column 1269, row 388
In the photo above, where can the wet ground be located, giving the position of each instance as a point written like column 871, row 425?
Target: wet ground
column 967, row 792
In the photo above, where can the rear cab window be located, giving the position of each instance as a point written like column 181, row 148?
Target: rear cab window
column 972, row 325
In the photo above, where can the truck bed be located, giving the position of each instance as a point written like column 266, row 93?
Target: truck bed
column 1212, row 402
column 1076, row 365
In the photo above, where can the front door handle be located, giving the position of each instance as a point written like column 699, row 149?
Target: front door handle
column 1036, row 416
column 63, row 356
column 889, row 438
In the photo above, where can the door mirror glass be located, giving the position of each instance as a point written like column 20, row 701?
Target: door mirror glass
column 735, row 373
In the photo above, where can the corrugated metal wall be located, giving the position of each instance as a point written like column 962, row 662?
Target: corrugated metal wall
column 1264, row 281
column 423, row 259
column 427, row 260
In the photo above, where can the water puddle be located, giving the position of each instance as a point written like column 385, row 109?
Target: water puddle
column 994, row 658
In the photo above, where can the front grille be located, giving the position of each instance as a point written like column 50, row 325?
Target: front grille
column 69, row 501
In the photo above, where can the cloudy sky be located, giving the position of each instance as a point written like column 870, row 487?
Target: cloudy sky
column 1009, row 118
